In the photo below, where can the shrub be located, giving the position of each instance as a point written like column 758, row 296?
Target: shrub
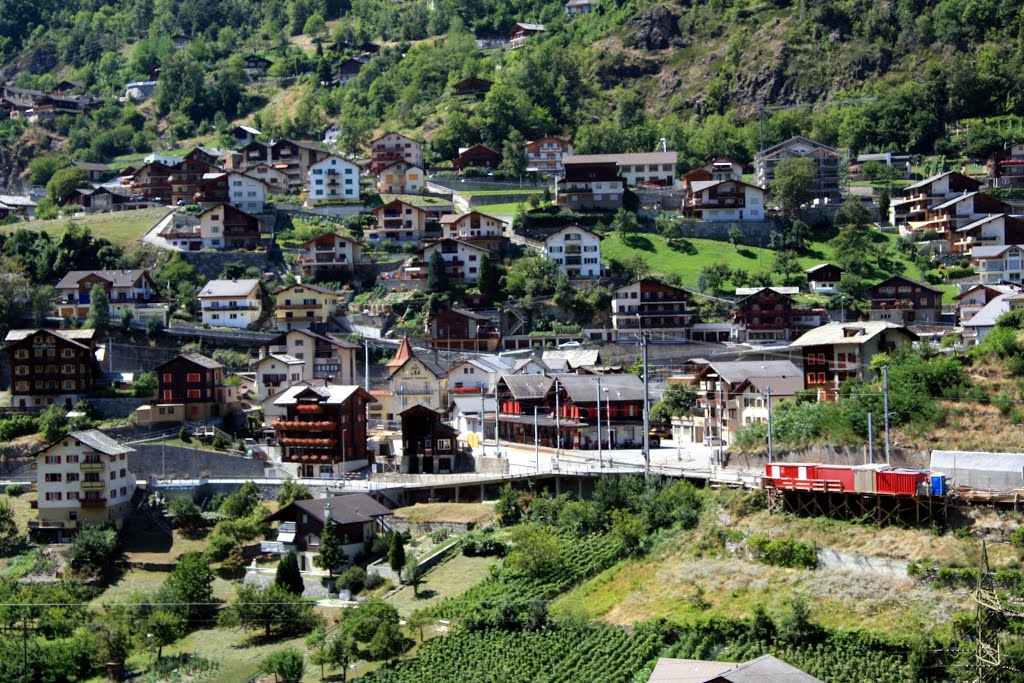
column 93, row 549
column 783, row 552
column 183, row 435
column 15, row 489
column 480, row 544
column 373, row 581
column 1017, row 537
column 353, row 579
column 17, row 425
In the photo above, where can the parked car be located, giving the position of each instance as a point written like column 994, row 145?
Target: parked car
column 713, row 441
column 570, row 345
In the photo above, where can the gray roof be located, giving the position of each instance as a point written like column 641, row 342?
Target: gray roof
column 229, row 288
column 820, row 266
column 530, row 27
column 735, row 372
column 583, row 388
column 848, row 333
column 927, row 181
column 470, row 405
column 574, row 357
column 750, row 291
column 13, row 200
column 981, row 221
column 201, row 360
column 332, row 393
column 953, row 200
column 760, row 670
column 990, row 251
column 528, row 386
column 99, row 441
column 490, row 363
column 626, row 159
column 74, row 336
column 990, row 312
column 523, row 362
column 116, row 278
column 91, row 166
column 352, row 508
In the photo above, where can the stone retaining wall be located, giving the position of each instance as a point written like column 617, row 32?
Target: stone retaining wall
column 175, row 462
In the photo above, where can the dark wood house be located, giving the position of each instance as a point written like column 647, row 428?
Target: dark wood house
column 428, row 444
column 453, row 328
column 770, row 315
column 354, row 519
column 51, row 366
column 324, row 429
column 477, row 156
column 197, row 382
column 472, row 86
column 903, row 301
column 824, row 278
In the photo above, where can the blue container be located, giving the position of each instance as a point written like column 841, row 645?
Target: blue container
column 938, row 484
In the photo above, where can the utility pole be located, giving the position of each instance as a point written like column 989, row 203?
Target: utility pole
column 497, row 411
column 600, row 454
column 647, row 411
column 24, row 643
column 721, row 428
column 885, row 387
column 536, row 441
column 871, row 444
column 483, row 412
column 771, row 453
column 558, row 423
column 366, row 373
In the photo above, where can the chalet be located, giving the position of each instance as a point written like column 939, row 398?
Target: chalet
column 97, row 172
column 332, row 179
column 475, row 228
column 471, row 86
column 733, row 395
column 354, row 518
column 477, row 156
column 994, row 230
column 326, row 357
column 397, row 221
column 1006, row 167
column 590, row 186
column 348, row 69
column 231, row 303
column 222, row 226
column 725, row 201
column 428, row 445
column 305, row 305
column 51, row 366
column 392, row 147
column 835, row 352
column 903, row 301
column 275, row 372
column 82, row 479
column 105, row 199
column 961, row 211
column 461, row 258
column 656, row 169
column 824, row 278
column 526, row 400
column 15, row 205
column 544, row 155
column 400, row 177
column 324, row 429
column 1000, row 264
column 987, row 317
column 189, row 387
column 246, row 193
column 415, row 380
column 244, row 135
column 618, row 400
column 329, row 255
column 464, row 330
column 478, row 374
column 275, row 179
column 975, row 297
column 576, row 250
column 771, row 314
column 127, row 290
column 256, row 65
column 650, row 304
column 917, row 198
column 152, row 181
column 181, row 41
column 826, row 160
column 521, row 32
column 574, row 7
column 290, row 157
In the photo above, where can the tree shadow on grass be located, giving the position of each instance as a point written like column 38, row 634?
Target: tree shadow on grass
column 685, row 246
column 638, row 242
column 426, row 594
column 746, row 253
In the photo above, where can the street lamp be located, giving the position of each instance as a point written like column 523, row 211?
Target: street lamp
column 152, row 656
column 343, row 432
column 597, row 407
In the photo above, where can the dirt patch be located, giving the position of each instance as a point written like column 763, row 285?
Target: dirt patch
column 456, row 513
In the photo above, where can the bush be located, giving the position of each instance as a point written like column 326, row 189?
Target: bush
column 183, row 435
column 352, row 579
column 783, row 552
column 287, row 664
column 15, row 489
column 1017, row 537
column 93, row 549
column 373, row 581
column 17, row 425
column 480, row 544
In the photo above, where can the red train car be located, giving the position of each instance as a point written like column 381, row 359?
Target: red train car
column 841, row 474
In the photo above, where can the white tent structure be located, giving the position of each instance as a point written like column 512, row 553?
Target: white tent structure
column 978, row 470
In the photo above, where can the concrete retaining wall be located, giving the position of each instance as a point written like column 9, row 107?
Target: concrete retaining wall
column 426, row 528
column 339, row 211
column 831, row 455
column 210, row 263
column 174, row 462
column 755, row 233
column 109, row 408
column 133, row 357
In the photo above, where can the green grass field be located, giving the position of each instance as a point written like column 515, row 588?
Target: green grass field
column 687, row 257
column 448, row 579
column 499, row 210
column 124, row 229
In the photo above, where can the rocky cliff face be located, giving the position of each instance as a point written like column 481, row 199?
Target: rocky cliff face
column 14, row 159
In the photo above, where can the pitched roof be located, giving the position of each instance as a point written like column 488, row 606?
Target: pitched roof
column 99, row 441
column 982, row 221
column 990, row 312
column 344, row 238
column 848, row 333
column 735, row 372
column 403, row 354
column 993, row 251
column 629, row 158
column 331, row 394
column 217, row 288
column 315, row 288
column 916, row 283
column 117, row 278
column 818, row 267
column 75, row 337
column 750, row 291
column 764, row 668
column 583, row 388
column 351, row 508
column 574, row 357
column 280, row 357
column 945, row 204
column 530, row 27
column 197, row 358
column 800, row 138
column 573, row 227
column 525, row 387
column 932, row 179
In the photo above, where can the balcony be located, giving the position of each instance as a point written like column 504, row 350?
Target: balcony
column 308, row 442
column 311, row 426
column 92, row 467
column 93, row 502
column 93, row 485
column 45, row 524
column 231, row 307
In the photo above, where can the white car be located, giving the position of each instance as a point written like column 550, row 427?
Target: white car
column 570, row 345
column 713, row 441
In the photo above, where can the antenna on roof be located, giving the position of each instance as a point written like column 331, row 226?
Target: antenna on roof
column 663, row 144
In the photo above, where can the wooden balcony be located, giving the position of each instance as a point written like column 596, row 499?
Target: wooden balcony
column 94, row 485
column 92, row 466
column 93, row 502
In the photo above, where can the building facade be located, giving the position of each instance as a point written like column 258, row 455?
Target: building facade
column 224, row 227
column 332, row 179
column 650, row 305
column 826, row 160
column 400, row 177
column 544, row 155
column 329, row 253
column 304, row 305
column 127, row 290
column 51, row 366
column 644, row 168
column 392, row 147
column 231, row 303
column 576, row 250
column 587, row 187
column 904, row 301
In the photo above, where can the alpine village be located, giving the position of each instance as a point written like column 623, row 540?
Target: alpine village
column 538, row 341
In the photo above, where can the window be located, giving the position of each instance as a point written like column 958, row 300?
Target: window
column 21, row 370
column 65, row 353
column 72, row 459
column 194, row 393
column 167, row 378
column 72, row 495
column 53, row 495
column 52, row 476
column 52, row 460
column 73, row 476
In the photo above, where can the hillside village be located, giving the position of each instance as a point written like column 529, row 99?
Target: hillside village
column 436, row 343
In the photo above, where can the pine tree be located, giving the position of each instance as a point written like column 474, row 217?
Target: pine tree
column 99, row 308
column 288, row 575
column 332, row 555
column 437, row 274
